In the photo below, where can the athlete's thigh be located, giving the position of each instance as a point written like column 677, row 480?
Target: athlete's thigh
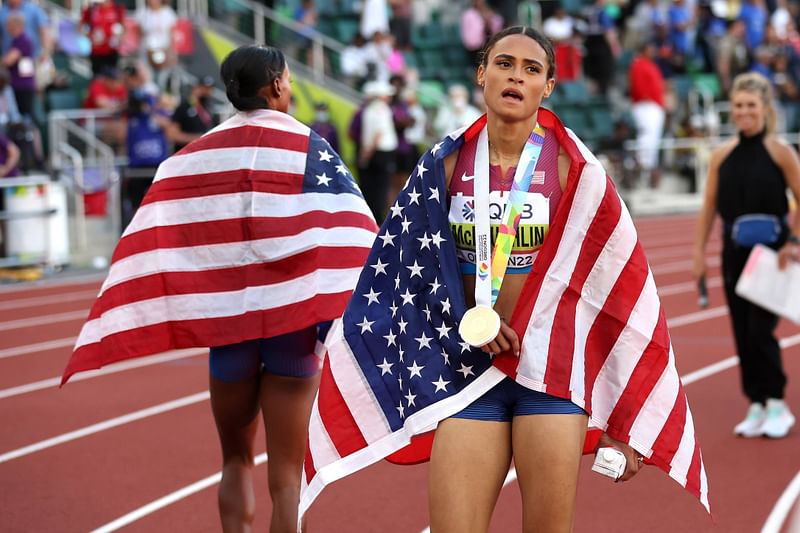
column 469, row 462
column 547, row 455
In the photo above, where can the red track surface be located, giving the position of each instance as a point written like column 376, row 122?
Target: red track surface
column 92, row 480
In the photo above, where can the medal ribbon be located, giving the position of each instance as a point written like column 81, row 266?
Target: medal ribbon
column 487, row 288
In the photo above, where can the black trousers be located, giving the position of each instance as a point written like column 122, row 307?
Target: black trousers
column 374, row 182
column 754, row 331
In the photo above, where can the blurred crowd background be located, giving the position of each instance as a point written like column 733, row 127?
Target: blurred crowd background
column 93, row 96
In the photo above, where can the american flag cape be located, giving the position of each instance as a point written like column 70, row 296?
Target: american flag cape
column 591, row 326
column 254, row 230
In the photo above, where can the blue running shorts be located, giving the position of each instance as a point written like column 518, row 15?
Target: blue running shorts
column 289, row 355
column 508, row 399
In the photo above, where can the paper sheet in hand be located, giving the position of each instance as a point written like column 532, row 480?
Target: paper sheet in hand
column 763, row 284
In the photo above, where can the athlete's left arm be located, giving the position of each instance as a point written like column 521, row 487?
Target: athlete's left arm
column 787, row 159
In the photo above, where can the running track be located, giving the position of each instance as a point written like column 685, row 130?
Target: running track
column 85, row 457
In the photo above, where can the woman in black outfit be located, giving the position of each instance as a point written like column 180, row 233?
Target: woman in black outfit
column 749, row 175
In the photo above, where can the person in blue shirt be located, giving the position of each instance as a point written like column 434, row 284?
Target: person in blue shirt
column 36, row 26
column 754, row 16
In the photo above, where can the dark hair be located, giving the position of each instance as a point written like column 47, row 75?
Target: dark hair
column 536, row 35
column 246, row 70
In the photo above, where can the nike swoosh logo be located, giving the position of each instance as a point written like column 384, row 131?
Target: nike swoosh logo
column 467, row 178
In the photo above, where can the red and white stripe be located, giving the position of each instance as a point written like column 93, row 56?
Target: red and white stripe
column 227, row 247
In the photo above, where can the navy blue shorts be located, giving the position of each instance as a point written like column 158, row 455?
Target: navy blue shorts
column 508, row 399
column 289, row 355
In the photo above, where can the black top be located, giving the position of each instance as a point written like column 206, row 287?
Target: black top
column 751, row 182
column 192, row 119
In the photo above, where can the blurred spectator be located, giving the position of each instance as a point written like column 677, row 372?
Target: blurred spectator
column 324, row 127
column 455, row 113
column 710, row 30
column 647, row 97
column 9, row 113
column 416, row 133
column 666, row 59
column 732, row 58
column 107, row 92
column 763, row 62
column 9, row 158
column 754, row 15
column 400, row 24
column 780, row 18
column 104, row 22
column 686, row 158
column 787, row 91
column 193, row 116
column 623, row 165
column 21, row 64
column 374, row 18
column 396, row 62
column 146, row 144
column 306, row 14
column 377, row 53
column 353, row 61
column 478, row 23
column 560, row 29
column 602, row 46
column 378, row 147
column 136, row 77
column 157, row 21
column 679, row 20
column 507, row 9
column 647, row 16
column 36, row 25
column 406, row 157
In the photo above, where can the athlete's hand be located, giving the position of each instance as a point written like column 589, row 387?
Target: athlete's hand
column 699, row 264
column 633, row 459
column 506, row 339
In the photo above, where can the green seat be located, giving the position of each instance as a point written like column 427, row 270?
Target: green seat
column 574, row 92
column 430, row 93
column 63, row 99
column 708, row 83
column 346, row 28
column 602, row 122
column 577, row 120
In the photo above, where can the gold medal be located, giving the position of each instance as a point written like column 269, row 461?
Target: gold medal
column 479, row 326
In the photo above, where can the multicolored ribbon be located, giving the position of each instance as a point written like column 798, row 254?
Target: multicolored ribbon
column 514, row 205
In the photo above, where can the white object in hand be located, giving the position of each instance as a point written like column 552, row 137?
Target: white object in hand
column 609, row 462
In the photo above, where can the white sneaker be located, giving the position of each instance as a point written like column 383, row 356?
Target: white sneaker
column 751, row 425
column 778, row 421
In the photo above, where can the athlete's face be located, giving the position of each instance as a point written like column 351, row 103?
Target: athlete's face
column 515, row 77
column 748, row 112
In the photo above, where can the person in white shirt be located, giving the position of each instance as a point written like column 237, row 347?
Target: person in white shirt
column 378, row 147
column 456, row 113
column 157, row 21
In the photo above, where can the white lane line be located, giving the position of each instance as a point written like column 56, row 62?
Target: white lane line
column 678, row 251
column 104, row 425
column 111, row 369
column 52, row 283
column 37, row 347
column 510, row 478
column 169, row 499
column 47, row 300
column 730, row 362
column 697, row 316
column 683, row 266
column 687, row 286
column 783, row 507
column 44, row 320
